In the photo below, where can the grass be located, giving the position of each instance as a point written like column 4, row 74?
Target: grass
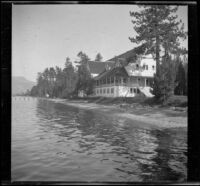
column 178, row 101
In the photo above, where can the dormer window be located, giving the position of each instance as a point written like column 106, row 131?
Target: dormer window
column 107, row 67
column 145, row 67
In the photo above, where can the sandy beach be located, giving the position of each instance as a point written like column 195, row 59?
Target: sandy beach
column 151, row 116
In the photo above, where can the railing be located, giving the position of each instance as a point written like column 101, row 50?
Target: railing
column 118, row 84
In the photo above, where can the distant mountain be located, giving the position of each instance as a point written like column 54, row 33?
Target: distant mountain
column 21, row 84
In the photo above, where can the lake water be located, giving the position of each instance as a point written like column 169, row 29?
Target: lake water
column 55, row 142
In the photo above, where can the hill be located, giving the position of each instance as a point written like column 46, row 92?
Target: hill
column 20, row 85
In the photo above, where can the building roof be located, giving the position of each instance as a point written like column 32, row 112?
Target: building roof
column 117, row 71
column 98, row 67
column 130, row 55
column 122, row 71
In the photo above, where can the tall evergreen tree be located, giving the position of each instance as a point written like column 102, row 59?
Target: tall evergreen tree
column 98, row 58
column 84, row 76
column 157, row 28
column 164, row 83
column 185, row 66
column 34, row 91
column 52, row 80
column 56, row 82
column 70, row 77
column 180, row 81
column 59, row 83
column 158, row 31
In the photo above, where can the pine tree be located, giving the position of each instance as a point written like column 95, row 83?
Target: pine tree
column 164, row 81
column 98, row 58
column 185, row 66
column 84, row 76
column 59, row 84
column 158, row 31
column 34, row 91
column 52, row 79
column 70, row 78
column 181, row 81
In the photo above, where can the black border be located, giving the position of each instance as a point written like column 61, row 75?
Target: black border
column 6, row 30
column 193, row 90
column 193, row 96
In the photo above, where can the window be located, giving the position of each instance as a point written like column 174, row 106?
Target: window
column 100, row 91
column 112, row 79
column 108, row 90
column 153, row 67
column 147, row 82
column 137, row 67
column 108, row 80
column 146, row 67
column 131, row 90
column 97, row 91
column 138, row 79
column 124, row 80
column 112, row 90
column 104, row 90
column 138, row 91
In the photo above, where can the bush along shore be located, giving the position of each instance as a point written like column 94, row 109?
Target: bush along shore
column 171, row 114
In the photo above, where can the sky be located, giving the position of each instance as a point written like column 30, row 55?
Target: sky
column 44, row 35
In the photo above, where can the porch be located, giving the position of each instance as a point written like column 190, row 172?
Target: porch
column 124, row 81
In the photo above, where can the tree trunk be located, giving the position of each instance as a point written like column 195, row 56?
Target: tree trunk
column 157, row 55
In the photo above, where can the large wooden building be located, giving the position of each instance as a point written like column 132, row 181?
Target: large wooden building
column 122, row 79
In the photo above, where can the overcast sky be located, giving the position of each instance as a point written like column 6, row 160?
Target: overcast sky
column 44, row 35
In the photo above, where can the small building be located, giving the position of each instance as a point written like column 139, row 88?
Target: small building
column 126, row 80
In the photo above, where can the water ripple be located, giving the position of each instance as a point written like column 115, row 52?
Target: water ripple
column 55, row 142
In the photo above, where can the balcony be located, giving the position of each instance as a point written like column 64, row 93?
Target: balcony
column 117, row 84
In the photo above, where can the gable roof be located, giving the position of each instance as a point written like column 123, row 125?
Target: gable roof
column 117, row 71
column 130, row 55
column 126, row 55
column 98, row 67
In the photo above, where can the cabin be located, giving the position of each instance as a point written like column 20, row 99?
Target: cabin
column 122, row 79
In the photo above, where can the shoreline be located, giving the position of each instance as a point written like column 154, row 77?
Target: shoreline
column 150, row 116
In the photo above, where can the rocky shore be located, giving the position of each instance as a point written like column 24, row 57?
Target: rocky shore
column 155, row 116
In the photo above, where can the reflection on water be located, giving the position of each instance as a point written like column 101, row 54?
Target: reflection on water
column 55, row 142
